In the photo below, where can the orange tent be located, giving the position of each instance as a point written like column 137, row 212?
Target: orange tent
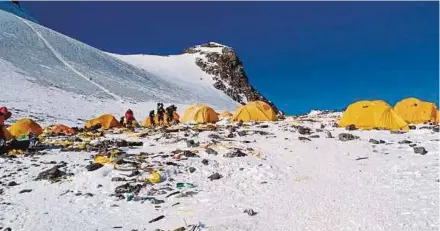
column 147, row 121
column 62, row 129
column 106, row 121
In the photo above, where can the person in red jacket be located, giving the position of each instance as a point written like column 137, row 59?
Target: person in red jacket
column 4, row 115
column 128, row 120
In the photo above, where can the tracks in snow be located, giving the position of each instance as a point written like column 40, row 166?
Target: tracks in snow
column 62, row 60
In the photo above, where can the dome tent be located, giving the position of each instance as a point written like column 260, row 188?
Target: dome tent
column 106, row 121
column 372, row 114
column 24, row 127
column 416, row 111
column 199, row 113
column 255, row 111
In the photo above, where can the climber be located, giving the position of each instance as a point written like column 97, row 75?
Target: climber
column 160, row 113
column 170, row 112
column 128, row 120
column 151, row 115
column 4, row 115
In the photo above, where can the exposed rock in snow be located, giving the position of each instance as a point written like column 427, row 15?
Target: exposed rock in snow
column 227, row 70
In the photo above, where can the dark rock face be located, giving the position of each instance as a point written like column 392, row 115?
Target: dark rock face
column 227, row 68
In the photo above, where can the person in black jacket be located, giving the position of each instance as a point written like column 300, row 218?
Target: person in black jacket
column 151, row 115
column 160, row 113
column 170, row 113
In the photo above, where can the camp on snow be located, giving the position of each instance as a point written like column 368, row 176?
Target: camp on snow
column 106, row 121
column 255, row 111
column 24, row 127
column 199, row 113
column 372, row 114
column 416, row 111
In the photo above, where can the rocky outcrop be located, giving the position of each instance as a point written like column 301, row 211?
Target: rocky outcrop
column 228, row 72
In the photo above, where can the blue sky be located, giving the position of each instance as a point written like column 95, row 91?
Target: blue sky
column 301, row 55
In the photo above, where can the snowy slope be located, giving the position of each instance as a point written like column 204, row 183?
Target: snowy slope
column 180, row 70
column 47, row 59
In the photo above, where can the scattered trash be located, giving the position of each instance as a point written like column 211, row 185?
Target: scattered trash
column 347, row 137
column 187, row 194
column 215, row 176
column 156, row 178
column 128, row 188
column 185, row 185
column 93, row 166
column 192, row 144
column 118, row 179
column 172, row 194
column 242, row 133
column 250, row 212
column 25, row 191
column 51, row 174
column 235, row 153
column 420, row 150
column 328, row 135
column 304, row 130
column 12, row 183
column 189, row 154
column 157, row 219
column 362, row 158
column 302, row 138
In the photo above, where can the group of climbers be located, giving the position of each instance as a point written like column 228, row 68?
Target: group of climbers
column 129, row 121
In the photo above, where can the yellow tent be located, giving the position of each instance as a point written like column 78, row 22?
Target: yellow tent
column 255, row 111
column 147, row 122
column 24, row 127
column 225, row 114
column 372, row 114
column 415, row 111
column 106, row 121
column 199, row 113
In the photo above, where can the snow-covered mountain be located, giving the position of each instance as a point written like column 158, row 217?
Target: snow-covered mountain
column 221, row 63
column 71, row 75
